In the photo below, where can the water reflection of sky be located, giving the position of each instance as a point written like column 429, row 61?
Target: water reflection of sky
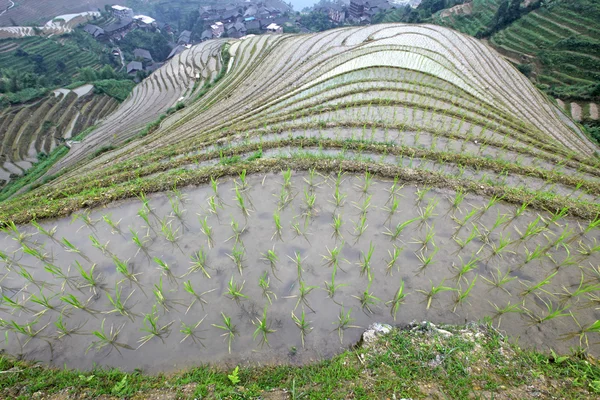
column 300, row 4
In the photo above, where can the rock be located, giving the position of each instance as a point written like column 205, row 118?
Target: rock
column 375, row 329
column 444, row 333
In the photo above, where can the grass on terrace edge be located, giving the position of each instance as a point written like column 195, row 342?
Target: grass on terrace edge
column 405, row 363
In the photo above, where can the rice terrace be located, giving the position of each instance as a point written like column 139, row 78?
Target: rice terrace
column 263, row 200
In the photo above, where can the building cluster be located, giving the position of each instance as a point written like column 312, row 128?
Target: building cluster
column 124, row 21
column 243, row 18
column 358, row 11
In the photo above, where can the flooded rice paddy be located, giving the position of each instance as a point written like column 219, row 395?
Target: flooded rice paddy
column 81, row 292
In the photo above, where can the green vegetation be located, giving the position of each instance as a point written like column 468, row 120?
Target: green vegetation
column 472, row 362
column 29, row 67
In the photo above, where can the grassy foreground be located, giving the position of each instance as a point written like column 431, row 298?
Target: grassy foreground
column 418, row 361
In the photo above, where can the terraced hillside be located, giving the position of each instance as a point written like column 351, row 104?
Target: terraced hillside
column 473, row 18
column 27, row 12
column 58, row 58
column 565, row 39
column 59, row 25
column 31, row 129
column 322, row 182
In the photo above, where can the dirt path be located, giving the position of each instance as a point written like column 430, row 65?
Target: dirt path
column 576, row 111
column 594, row 111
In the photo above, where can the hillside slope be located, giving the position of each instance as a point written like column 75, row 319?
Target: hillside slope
column 27, row 12
column 308, row 184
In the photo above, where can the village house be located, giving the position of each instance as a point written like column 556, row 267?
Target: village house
column 142, row 54
column 121, row 12
column 134, row 66
column 94, row 30
column 217, row 29
column 274, row 28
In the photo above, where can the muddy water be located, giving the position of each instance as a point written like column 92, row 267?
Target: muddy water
column 167, row 352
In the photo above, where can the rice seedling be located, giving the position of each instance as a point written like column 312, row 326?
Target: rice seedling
column 393, row 259
column 229, row 328
column 166, row 229
column 144, row 214
column 331, row 287
column 284, row 199
column 337, row 227
column 491, row 203
column 498, row 249
column 394, row 191
column 123, row 268
column 538, row 286
column 360, row 226
column 26, row 330
column 278, row 227
column 551, row 312
column 271, row 258
column 242, row 203
column 145, row 202
column 264, row 282
column 90, row 281
column 237, row 231
column 338, row 198
column 500, row 280
column 74, row 302
column 165, row 269
column 587, row 250
column 420, row 193
column 102, row 247
column 397, row 300
column 23, row 273
column 303, row 325
column 534, row 228
column 366, row 184
column 367, row 298
column 333, row 257
column 63, row 330
column 198, row 297
column 207, row 231
column 311, row 181
column 176, row 210
column 214, row 184
column 37, row 253
column 213, row 206
column 462, row 295
column 263, row 328
column 44, row 301
column 364, row 207
column 189, row 331
column 159, row 295
column 114, row 225
column 17, row 305
column 428, row 239
column 582, row 288
column 70, row 248
column 463, row 222
column 536, row 254
column 243, row 185
column 11, row 230
column 434, row 291
column 238, row 253
column 563, row 239
column 459, row 197
column 199, row 263
column 87, row 220
column 399, row 229
column 309, row 203
column 509, row 308
column 583, row 331
column 465, row 268
column 429, row 211
column 365, row 262
column 235, row 291
column 49, row 233
column 556, row 216
column 426, row 260
column 58, row 274
column 119, row 305
column 392, row 209
column 153, row 328
column 344, row 322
